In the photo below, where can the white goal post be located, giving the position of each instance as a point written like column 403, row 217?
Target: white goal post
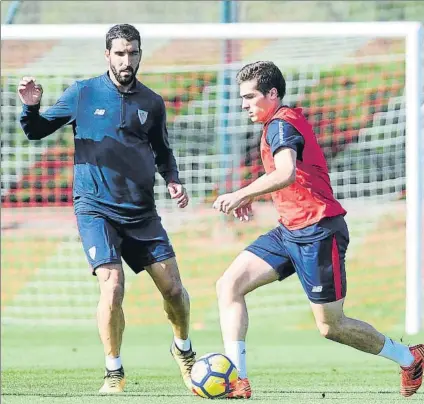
column 411, row 32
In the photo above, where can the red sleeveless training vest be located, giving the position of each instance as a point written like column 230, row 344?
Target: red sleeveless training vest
column 310, row 198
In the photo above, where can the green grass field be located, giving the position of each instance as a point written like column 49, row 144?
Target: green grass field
column 65, row 366
column 45, row 362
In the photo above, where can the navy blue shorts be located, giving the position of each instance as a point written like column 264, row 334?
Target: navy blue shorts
column 320, row 265
column 139, row 244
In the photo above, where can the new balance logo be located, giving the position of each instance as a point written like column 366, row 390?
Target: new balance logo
column 317, row 289
column 100, row 112
column 281, row 132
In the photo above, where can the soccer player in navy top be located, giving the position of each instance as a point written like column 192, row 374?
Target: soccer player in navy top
column 120, row 135
column 310, row 240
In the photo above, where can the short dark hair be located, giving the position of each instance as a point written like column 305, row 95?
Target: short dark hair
column 125, row 31
column 267, row 74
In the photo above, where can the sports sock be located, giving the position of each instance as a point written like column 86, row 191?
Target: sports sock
column 182, row 344
column 236, row 351
column 113, row 363
column 397, row 352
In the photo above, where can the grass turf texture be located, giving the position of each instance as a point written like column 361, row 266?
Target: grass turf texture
column 65, row 366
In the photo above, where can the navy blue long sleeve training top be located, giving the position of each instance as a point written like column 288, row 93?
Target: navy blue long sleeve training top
column 119, row 137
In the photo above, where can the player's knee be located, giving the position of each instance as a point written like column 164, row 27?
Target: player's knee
column 225, row 288
column 173, row 292
column 220, row 287
column 114, row 294
column 324, row 329
column 329, row 329
column 112, row 287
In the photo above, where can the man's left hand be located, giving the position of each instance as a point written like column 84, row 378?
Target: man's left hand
column 178, row 192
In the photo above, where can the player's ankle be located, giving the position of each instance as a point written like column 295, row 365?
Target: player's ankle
column 183, row 345
column 236, row 351
column 113, row 363
column 396, row 352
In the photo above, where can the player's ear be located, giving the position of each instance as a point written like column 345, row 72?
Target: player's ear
column 273, row 93
column 107, row 55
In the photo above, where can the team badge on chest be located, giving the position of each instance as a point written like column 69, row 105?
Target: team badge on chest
column 142, row 115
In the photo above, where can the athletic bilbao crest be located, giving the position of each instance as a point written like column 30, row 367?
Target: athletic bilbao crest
column 92, row 252
column 142, row 115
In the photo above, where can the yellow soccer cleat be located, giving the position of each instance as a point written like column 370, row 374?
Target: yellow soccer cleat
column 185, row 361
column 114, row 381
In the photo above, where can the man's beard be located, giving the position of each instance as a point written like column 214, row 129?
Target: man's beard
column 124, row 80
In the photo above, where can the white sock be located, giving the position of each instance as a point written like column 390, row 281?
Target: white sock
column 113, row 363
column 236, row 351
column 182, row 344
column 397, row 352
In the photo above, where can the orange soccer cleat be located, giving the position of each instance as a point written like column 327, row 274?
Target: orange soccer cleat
column 412, row 376
column 241, row 389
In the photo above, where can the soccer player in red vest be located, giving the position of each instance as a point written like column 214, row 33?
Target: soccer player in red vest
column 311, row 238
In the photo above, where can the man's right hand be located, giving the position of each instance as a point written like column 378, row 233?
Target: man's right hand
column 29, row 92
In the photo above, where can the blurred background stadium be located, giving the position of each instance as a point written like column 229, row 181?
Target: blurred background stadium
column 352, row 91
